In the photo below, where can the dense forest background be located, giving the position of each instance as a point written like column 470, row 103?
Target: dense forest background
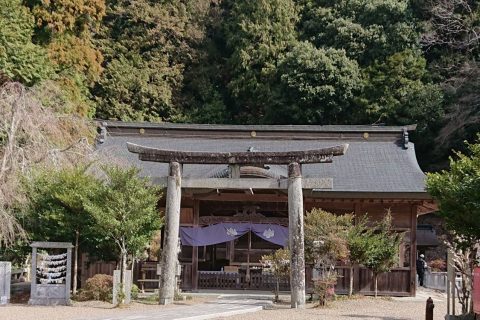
column 391, row 62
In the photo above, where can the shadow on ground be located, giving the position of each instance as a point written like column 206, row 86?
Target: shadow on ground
column 363, row 316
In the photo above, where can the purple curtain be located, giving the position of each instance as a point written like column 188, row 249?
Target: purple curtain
column 224, row 232
column 273, row 233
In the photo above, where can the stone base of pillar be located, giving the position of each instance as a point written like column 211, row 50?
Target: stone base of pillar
column 165, row 301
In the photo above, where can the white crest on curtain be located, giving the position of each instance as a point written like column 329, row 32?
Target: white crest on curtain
column 269, row 233
column 232, row 232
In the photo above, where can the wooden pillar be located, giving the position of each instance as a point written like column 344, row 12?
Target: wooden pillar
column 172, row 225
column 296, row 236
column 413, row 250
column 356, row 269
column 196, row 220
column 249, row 248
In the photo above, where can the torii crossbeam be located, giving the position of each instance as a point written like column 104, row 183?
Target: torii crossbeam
column 294, row 160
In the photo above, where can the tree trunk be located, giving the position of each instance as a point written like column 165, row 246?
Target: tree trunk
column 350, row 290
column 124, row 269
column 473, row 256
column 376, row 283
column 75, row 263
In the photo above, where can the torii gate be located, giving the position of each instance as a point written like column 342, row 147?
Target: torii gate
column 294, row 160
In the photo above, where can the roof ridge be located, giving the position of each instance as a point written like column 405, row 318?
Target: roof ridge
column 230, row 127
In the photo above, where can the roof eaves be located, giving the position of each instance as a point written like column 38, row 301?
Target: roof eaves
column 277, row 128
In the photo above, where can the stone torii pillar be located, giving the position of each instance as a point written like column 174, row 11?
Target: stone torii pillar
column 296, row 236
column 169, row 261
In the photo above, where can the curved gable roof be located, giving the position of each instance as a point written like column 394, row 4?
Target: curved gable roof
column 379, row 159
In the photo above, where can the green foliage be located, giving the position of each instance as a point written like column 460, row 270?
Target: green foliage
column 368, row 30
column 383, row 246
column 125, row 209
column 57, row 209
column 146, row 45
column 113, row 217
column 396, row 93
column 17, row 253
column 326, row 237
column 257, row 35
column 457, row 191
column 251, row 62
column 132, row 89
column 20, row 59
column 204, row 97
column 317, row 86
column 135, row 291
column 394, row 85
column 62, row 16
column 326, row 243
column 278, row 263
column 76, row 55
column 324, row 287
column 65, row 29
column 98, row 287
column 358, row 240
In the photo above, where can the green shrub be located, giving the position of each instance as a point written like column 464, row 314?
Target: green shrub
column 98, row 287
column 134, row 291
column 324, row 287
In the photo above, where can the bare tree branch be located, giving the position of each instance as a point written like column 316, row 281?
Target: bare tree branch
column 33, row 136
column 451, row 25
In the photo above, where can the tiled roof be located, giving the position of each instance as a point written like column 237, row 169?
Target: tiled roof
column 383, row 165
column 283, row 128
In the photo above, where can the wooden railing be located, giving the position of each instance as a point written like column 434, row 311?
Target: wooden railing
column 148, row 280
column 395, row 282
column 219, row 280
column 235, row 280
column 268, row 282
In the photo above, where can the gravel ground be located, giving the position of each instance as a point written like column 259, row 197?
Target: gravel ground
column 82, row 310
column 360, row 308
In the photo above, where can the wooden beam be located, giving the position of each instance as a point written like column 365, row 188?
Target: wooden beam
column 209, row 220
column 248, row 183
column 241, row 197
column 323, row 155
column 367, row 200
column 413, row 250
column 196, row 221
column 172, row 225
column 234, row 171
column 356, row 270
column 296, row 236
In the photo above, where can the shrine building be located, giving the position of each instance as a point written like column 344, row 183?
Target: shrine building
column 238, row 188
